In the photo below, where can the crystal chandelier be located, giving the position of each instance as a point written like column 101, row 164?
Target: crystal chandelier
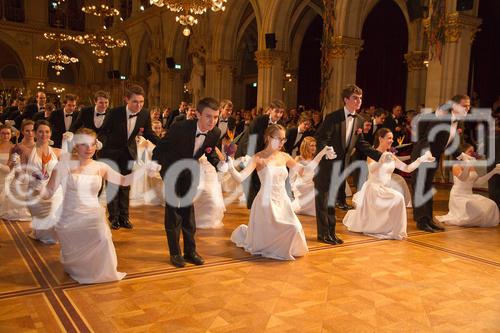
column 189, row 8
column 58, row 58
column 100, row 41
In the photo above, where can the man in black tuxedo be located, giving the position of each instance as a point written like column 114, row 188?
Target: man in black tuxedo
column 436, row 131
column 12, row 111
column 118, row 136
column 44, row 115
column 32, row 109
column 256, row 132
column 343, row 130
column 494, row 182
column 189, row 114
column 379, row 117
column 396, row 123
column 226, row 122
column 183, row 107
column 186, row 141
column 295, row 135
column 61, row 120
column 93, row 117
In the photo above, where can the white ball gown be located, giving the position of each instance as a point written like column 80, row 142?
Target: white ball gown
column 4, row 172
column 273, row 231
column 467, row 209
column 13, row 195
column 42, row 228
column 209, row 205
column 379, row 210
column 87, row 251
column 146, row 190
column 304, row 192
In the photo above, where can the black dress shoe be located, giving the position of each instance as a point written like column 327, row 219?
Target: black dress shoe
column 337, row 240
column 177, row 260
column 435, row 226
column 126, row 223
column 343, row 206
column 194, row 258
column 425, row 227
column 115, row 224
column 327, row 240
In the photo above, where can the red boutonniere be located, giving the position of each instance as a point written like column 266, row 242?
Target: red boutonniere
column 359, row 131
column 208, row 150
column 459, row 131
column 141, row 131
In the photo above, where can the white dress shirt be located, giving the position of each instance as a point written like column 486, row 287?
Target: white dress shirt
column 199, row 139
column 98, row 120
column 222, row 125
column 130, row 122
column 67, row 120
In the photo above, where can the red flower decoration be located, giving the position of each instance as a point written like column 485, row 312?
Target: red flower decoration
column 141, row 131
column 459, row 131
column 208, row 150
column 359, row 131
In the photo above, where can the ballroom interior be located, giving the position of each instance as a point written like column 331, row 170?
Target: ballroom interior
column 303, row 52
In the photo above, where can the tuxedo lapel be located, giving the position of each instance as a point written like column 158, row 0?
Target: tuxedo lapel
column 342, row 130
column 191, row 136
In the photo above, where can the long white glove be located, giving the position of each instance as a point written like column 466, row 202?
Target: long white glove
column 326, row 152
column 240, row 176
column 425, row 158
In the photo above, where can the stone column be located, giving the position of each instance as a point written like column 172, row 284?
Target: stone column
column 417, row 73
column 343, row 59
column 270, row 77
column 450, row 76
column 219, row 79
column 171, row 87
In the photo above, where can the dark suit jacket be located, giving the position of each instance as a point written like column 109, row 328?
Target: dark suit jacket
column 113, row 135
column 428, row 123
column 258, row 126
column 178, row 145
column 39, row 116
column 332, row 133
column 231, row 126
column 180, row 117
column 391, row 123
column 86, row 119
column 8, row 112
column 29, row 111
column 291, row 136
column 171, row 117
column 56, row 120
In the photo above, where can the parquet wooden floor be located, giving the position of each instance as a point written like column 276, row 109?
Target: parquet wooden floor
column 444, row 282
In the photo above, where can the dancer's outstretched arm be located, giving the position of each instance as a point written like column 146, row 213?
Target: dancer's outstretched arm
column 296, row 167
column 243, row 174
column 425, row 158
column 483, row 179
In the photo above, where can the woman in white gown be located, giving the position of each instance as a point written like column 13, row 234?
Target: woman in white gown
column 14, row 204
column 41, row 161
column 209, row 205
column 147, row 190
column 273, row 231
column 380, row 211
column 87, row 251
column 467, row 209
column 5, row 147
column 303, row 185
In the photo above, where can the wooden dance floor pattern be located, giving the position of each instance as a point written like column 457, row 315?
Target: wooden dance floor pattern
column 443, row 282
